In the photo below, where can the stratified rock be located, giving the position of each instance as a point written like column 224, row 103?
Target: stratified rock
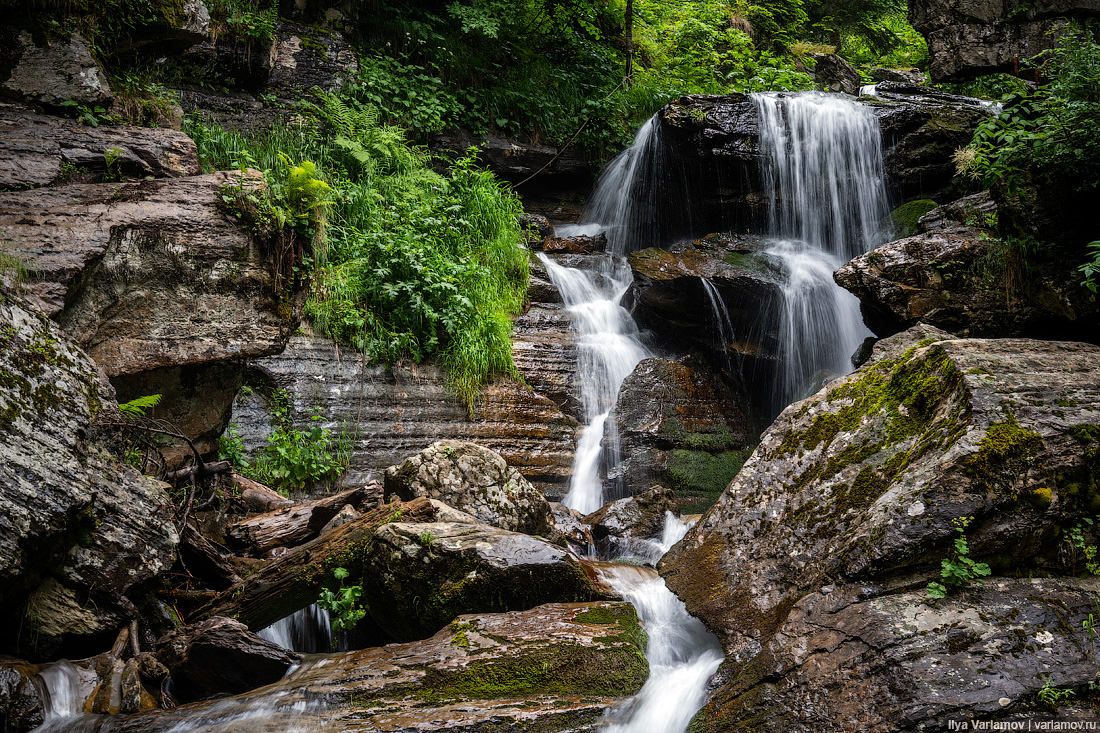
column 851, row 656
column 862, row 484
column 963, row 281
column 306, row 56
column 418, row 577
column 544, row 167
column 36, row 150
column 393, row 412
column 149, row 274
column 20, row 708
column 973, row 210
column 219, row 656
column 641, row 516
column 557, row 668
column 968, row 38
column 835, row 74
column 78, row 528
column 61, row 70
column 669, row 416
column 472, row 479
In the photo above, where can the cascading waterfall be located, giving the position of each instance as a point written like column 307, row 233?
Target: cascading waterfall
column 608, row 349
column 828, row 204
column 307, row 630
column 59, row 690
column 722, row 325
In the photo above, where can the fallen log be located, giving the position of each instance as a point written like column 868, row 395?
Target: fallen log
column 293, row 581
column 293, row 525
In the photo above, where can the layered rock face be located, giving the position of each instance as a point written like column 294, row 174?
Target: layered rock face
column 79, row 529
column 394, row 412
column 968, row 38
column 956, row 277
column 810, row 560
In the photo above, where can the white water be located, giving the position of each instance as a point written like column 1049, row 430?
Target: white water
column 608, row 349
column 828, row 204
column 307, row 630
column 722, row 325
column 62, row 702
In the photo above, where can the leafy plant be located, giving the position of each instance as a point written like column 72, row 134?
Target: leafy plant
column 959, row 568
column 1075, row 536
column 1053, row 696
column 1091, row 268
column 295, row 459
column 427, row 540
column 231, row 448
column 342, row 603
column 137, row 406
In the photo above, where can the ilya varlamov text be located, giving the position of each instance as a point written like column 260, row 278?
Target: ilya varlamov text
column 1021, row 725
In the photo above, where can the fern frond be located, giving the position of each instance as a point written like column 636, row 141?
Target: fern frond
column 137, row 407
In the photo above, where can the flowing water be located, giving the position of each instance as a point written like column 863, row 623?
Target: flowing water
column 308, row 630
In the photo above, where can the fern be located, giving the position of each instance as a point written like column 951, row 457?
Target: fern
column 137, row 407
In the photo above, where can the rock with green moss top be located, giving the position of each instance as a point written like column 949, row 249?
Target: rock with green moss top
column 418, row 576
column 474, row 479
column 78, row 529
column 905, row 216
column 557, row 668
column 863, row 480
column 893, row 661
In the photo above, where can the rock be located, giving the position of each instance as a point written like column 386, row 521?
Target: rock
column 310, row 56
column 973, row 211
column 219, row 656
column 62, row 70
column 475, row 480
column 835, row 74
column 963, row 281
column 78, row 528
column 576, row 245
column 536, row 227
column 557, row 668
column 1048, row 206
column 37, row 150
column 893, row 661
column 901, row 76
column 151, row 274
column 678, row 426
column 862, row 482
column 397, row 411
column 346, row 514
column 641, row 516
column 20, row 708
column 568, row 526
column 418, row 577
column 968, row 38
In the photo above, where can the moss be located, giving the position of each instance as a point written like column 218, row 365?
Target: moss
column 905, row 216
column 700, row 477
column 621, row 614
column 1004, row 452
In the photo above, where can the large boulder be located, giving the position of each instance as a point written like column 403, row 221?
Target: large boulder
column 308, row 56
column 417, row 577
column 37, row 150
column 968, row 38
column 394, row 411
column 862, row 484
column 78, row 528
column 475, row 480
column 219, row 656
column 834, row 74
column 558, row 668
column 641, row 516
column 20, row 708
column 51, row 71
column 963, row 281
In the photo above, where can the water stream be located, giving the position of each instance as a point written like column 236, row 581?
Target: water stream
column 308, row 630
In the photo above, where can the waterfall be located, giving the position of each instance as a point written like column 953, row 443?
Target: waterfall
column 723, row 327
column 608, row 349
column 62, row 701
column 828, row 204
column 307, row 630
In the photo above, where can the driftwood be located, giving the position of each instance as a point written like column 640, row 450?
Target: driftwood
column 203, row 559
column 257, row 497
column 293, row 581
column 293, row 525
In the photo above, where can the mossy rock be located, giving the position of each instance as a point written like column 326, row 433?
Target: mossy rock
column 905, row 216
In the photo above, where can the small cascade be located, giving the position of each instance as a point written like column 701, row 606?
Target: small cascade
column 308, row 630
column 723, row 327
column 682, row 656
column 649, row 551
column 62, row 701
column 608, row 349
column 828, row 204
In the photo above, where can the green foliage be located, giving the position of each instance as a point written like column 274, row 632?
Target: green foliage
column 1091, row 268
column 242, row 20
column 427, row 540
column 959, row 568
column 137, row 406
column 1053, row 696
column 294, row 459
column 342, row 603
column 904, row 47
column 231, row 448
column 1076, row 538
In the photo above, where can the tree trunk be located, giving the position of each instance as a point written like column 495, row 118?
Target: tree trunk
column 629, row 23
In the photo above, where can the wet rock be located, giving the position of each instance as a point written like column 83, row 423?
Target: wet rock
column 306, row 56
column 219, row 656
column 397, row 411
column 472, row 479
column 60, row 70
column 669, row 417
column 973, row 210
column 901, row 76
column 862, row 482
column 536, row 227
column 78, row 529
column 543, row 167
column 835, row 74
column 151, row 274
column 895, row 661
column 556, row 668
column 418, row 577
column 37, row 150
column 576, row 245
column 20, row 708
column 568, row 526
column 963, row 281
column 968, row 38
column 641, row 516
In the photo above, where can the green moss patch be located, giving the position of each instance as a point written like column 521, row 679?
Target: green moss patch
column 1003, row 453
column 699, row 477
column 905, row 216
